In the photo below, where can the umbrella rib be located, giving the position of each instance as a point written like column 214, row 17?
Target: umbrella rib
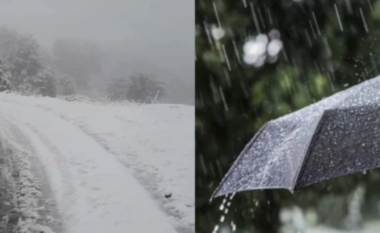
column 266, row 170
column 308, row 148
column 268, row 163
column 363, row 85
column 239, row 158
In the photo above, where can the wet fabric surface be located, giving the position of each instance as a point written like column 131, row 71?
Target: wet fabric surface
column 334, row 137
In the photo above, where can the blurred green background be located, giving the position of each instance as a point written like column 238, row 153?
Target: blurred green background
column 327, row 46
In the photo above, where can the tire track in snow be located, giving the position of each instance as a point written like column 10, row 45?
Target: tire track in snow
column 81, row 162
column 147, row 179
column 20, row 143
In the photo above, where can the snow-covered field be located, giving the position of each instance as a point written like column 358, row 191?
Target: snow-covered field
column 109, row 167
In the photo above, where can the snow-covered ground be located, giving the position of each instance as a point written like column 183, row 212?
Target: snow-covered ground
column 110, row 166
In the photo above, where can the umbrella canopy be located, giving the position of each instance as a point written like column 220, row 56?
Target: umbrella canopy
column 336, row 136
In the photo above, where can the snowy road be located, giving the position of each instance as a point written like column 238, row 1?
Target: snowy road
column 92, row 179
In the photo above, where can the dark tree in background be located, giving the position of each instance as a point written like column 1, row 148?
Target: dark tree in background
column 5, row 83
column 327, row 46
column 143, row 88
column 45, row 82
column 67, row 86
column 117, row 88
column 138, row 87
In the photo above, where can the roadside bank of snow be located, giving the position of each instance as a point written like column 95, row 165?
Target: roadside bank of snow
column 28, row 212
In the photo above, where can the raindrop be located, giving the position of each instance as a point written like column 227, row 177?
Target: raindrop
column 261, row 18
column 245, row 3
column 226, row 57
column 224, row 100
column 222, row 218
column 370, row 4
column 256, row 203
column 349, row 7
column 285, row 55
column 316, row 23
column 254, row 16
column 202, row 103
column 233, row 226
column 331, row 82
column 312, row 29
column 217, row 15
column 221, row 207
column 216, row 228
column 373, row 63
column 208, row 33
column 337, row 14
column 363, row 19
column 308, row 38
column 236, row 51
column 269, row 16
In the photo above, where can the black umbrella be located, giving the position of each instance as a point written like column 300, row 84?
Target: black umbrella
column 336, row 136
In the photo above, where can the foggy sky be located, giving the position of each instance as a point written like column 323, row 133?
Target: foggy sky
column 159, row 31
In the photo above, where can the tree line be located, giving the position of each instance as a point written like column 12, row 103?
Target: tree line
column 71, row 67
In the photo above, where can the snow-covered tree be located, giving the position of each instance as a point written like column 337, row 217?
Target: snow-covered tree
column 67, row 86
column 44, row 81
column 144, row 89
column 117, row 88
column 28, row 72
column 5, row 76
